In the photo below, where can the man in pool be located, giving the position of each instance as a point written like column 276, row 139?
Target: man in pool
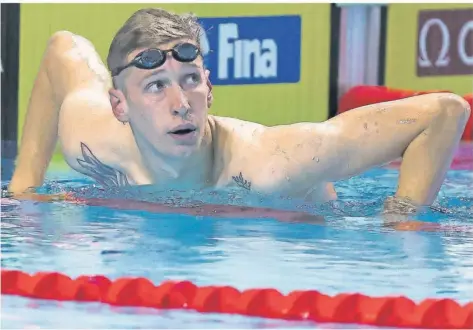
column 147, row 123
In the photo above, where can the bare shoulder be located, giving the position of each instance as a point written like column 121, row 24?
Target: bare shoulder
column 93, row 141
column 238, row 140
column 259, row 142
column 262, row 158
column 237, row 128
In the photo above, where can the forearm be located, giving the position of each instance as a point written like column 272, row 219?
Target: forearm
column 428, row 157
column 39, row 135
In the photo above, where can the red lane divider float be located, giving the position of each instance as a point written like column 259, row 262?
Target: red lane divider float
column 268, row 303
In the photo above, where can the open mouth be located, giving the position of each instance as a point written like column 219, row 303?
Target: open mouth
column 183, row 131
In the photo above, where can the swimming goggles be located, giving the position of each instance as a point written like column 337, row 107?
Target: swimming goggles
column 153, row 58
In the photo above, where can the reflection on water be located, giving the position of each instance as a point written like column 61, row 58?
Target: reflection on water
column 350, row 253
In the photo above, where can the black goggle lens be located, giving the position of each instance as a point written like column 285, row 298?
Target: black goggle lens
column 185, row 52
column 153, row 58
column 150, row 59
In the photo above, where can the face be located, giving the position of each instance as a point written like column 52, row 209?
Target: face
column 166, row 107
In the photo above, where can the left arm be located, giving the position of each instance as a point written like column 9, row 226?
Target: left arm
column 423, row 130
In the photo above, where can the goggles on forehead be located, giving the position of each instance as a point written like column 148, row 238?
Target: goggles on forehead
column 153, row 58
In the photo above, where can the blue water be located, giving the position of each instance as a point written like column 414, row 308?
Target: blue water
column 352, row 252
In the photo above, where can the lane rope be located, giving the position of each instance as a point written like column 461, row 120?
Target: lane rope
column 351, row 308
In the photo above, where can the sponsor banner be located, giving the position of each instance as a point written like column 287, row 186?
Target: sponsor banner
column 253, row 50
column 430, row 47
column 445, row 42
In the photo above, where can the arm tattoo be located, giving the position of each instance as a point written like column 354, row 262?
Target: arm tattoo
column 245, row 184
column 103, row 174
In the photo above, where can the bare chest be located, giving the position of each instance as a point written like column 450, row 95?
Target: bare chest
column 275, row 182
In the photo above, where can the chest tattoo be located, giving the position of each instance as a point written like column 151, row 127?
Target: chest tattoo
column 241, row 182
column 103, row 174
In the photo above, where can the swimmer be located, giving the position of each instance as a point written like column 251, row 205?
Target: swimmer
column 146, row 121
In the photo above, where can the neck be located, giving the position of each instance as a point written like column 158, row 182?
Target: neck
column 194, row 171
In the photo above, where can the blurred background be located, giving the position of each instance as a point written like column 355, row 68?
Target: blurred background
column 270, row 63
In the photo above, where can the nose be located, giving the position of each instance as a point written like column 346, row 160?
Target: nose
column 179, row 103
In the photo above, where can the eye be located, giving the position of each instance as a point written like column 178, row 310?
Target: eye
column 156, row 86
column 190, row 80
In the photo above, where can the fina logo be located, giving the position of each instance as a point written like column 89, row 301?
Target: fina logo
column 250, row 50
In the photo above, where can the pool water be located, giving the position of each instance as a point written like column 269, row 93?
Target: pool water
column 351, row 252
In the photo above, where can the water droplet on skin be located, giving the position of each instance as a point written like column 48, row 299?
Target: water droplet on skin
column 407, row 121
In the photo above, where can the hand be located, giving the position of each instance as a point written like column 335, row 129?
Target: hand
column 401, row 222
column 396, row 214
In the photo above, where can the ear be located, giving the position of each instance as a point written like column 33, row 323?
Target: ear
column 210, row 97
column 119, row 105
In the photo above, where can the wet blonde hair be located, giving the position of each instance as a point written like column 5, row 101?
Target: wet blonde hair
column 151, row 27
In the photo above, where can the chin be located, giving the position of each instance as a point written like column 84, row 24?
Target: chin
column 182, row 151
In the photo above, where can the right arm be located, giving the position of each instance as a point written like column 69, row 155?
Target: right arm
column 70, row 100
column 39, row 133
